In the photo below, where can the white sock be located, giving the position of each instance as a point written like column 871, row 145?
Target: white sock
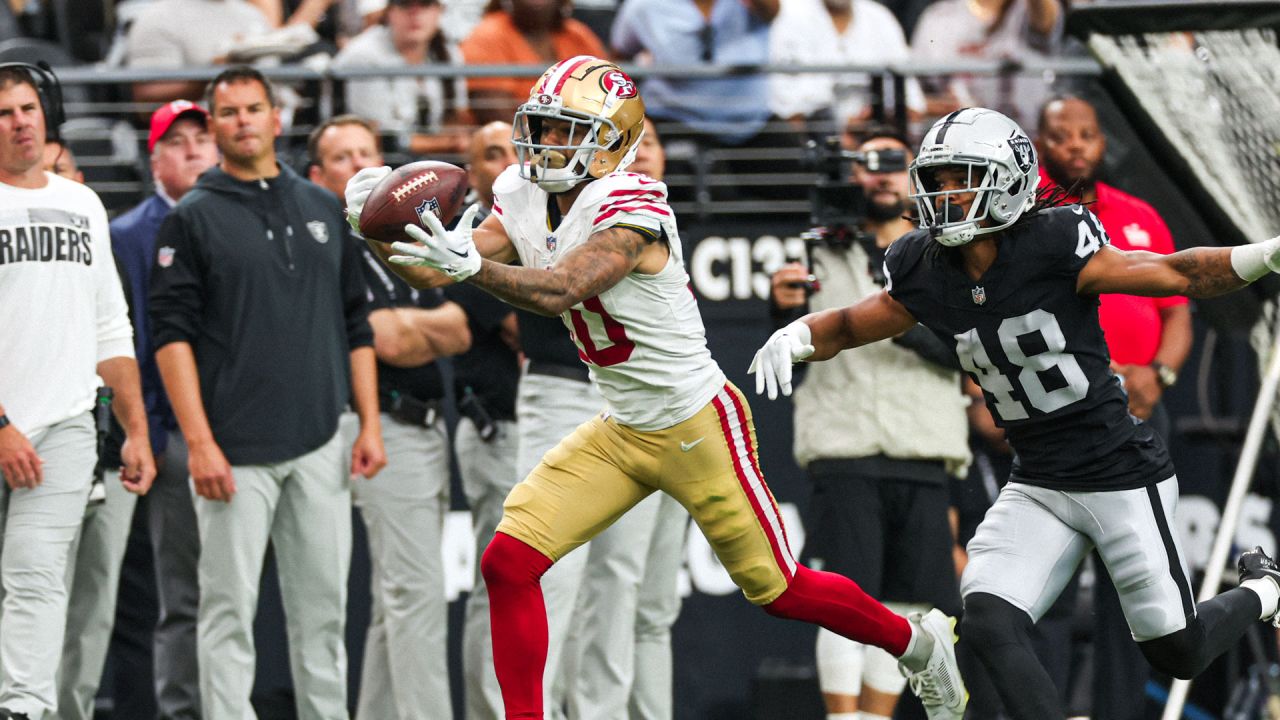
column 1268, row 592
column 919, row 649
column 843, row 716
column 869, row 716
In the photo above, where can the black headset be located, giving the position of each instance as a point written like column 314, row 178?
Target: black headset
column 50, row 92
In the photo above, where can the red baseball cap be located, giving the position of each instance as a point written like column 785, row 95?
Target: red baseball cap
column 163, row 118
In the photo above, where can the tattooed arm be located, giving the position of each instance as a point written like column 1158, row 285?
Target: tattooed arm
column 588, row 270
column 1197, row 272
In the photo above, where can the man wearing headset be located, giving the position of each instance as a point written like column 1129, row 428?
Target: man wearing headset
column 68, row 331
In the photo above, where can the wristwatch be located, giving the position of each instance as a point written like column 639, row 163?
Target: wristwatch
column 4, row 421
column 1165, row 375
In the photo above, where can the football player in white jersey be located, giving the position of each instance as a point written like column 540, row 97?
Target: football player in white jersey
column 599, row 247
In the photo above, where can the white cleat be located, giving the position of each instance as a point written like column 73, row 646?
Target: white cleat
column 938, row 684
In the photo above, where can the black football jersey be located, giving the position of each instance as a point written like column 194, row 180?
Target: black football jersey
column 1034, row 345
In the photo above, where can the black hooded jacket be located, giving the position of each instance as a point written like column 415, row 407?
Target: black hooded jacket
column 258, row 277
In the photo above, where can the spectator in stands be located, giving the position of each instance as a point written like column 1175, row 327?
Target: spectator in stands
column 259, row 316
column 881, row 497
column 173, row 34
column 59, row 160
column 67, row 326
column 810, row 32
column 994, row 30
column 486, row 440
column 730, row 110
column 414, row 110
column 1148, row 338
column 405, row 669
column 181, row 150
column 519, row 32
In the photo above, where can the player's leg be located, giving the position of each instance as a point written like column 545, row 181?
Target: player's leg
column 846, row 535
column 550, row 408
column 659, row 606
column 311, row 536
column 580, row 487
column 718, row 479
column 405, row 668
column 91, row 606
column 1022, row 555
column 488, row 472
column 39, row 527
column 1144, row 559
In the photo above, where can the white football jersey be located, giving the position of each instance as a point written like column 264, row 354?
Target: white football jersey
column 643, row 339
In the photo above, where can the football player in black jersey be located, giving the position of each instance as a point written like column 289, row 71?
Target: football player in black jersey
column 1013, row 284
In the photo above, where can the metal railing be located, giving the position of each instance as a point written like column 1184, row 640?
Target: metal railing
column 699, row 180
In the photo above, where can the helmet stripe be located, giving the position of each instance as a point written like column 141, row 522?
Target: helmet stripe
column 946, row 123
column 557, row 81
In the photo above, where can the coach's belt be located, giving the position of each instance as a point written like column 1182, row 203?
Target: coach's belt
column 408, row 409
column 568, row 372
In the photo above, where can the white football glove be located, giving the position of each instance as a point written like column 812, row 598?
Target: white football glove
column 773, row 361
column 452, row 252
column 358, row 189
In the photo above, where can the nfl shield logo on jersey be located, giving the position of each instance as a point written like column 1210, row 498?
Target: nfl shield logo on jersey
column 430, row 205
column 979, row 294
column 164, row 258
column 551, row 243
column 319, row 231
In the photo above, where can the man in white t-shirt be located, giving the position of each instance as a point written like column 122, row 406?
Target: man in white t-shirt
column 66, row 330
column 813, row 32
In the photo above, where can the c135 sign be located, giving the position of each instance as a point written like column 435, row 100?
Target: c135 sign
column 735, row 263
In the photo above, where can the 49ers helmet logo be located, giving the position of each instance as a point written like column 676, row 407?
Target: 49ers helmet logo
column 616, row 79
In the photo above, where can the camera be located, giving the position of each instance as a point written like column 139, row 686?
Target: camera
column 835, row 199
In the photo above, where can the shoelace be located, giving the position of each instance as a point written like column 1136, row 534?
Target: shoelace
column 925, row 687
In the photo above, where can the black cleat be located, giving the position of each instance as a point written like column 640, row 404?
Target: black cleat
column 6, row 714
column 1255, row 564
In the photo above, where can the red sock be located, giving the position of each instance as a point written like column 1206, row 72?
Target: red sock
column 518, row 619
column 837, row 603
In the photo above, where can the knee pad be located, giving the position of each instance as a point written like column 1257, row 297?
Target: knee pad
column 990, row 622
column 1180, row 654
column 840, row 663
column 508, row 561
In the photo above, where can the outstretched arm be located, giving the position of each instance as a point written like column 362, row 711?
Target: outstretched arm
column 820, row 335
column 1197, row 272
column 586, row 271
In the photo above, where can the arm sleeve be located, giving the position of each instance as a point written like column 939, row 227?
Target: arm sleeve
column 177, row 291
column 115, row 332
column 355, row 297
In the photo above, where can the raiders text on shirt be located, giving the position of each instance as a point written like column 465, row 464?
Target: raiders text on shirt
column 45, row 235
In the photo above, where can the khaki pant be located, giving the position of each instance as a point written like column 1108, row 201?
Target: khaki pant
column 303, row 507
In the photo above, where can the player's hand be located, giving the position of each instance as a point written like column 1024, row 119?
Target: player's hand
column 788, row 286
column 358, row 189
column 138, row 468
column 21, row 466
column 772, row 363
column 368, row 455
column 210, row 471
column 1143, row 386
column 452, row 252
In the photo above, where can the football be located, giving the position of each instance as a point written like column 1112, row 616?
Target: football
column 401, row 198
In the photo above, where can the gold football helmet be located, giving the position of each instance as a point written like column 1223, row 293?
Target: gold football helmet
column 597, row 114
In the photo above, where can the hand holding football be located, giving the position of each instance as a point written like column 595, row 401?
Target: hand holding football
column 401, row 198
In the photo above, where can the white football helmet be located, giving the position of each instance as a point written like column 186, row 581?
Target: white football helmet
column 606, row 119
column 1002, row 167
